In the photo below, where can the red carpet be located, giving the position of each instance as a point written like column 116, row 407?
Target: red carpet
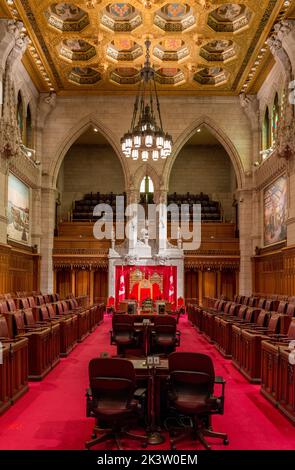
column 52, row 414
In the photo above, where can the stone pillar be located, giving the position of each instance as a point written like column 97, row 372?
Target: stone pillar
column 3, row 202
column 36, row 218
column 48, row 196
column 246, row 250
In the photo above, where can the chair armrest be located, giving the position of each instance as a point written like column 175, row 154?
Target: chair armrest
column 178, row 333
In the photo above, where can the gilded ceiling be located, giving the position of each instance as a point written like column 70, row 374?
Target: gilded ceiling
column 201, row 46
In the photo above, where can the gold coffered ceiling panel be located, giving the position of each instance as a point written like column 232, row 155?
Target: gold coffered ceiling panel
column 198, row 46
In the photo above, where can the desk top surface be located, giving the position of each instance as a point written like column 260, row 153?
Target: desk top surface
column 140, row 364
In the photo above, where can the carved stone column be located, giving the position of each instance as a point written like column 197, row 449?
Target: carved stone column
column 246, row 250
column 48, row 197
column 3, row 201
column 36, row 218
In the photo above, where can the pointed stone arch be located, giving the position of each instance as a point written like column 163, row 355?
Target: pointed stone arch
column 224, row 140
column 71, row 137
column 146, row 170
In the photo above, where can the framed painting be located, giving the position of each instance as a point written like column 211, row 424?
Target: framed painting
column 18, row 210
column 275, row 211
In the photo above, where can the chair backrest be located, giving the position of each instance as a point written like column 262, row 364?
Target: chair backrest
column 261, row 303
column 192, row 369
column 290, row 310
column 274, row 322
column 46, row 298
column 39, row 299
column 31, row 301
column 122, row 322
column 235, row 308
column 282, row 307
column 216, row 304
column 4, row 333
column 246, row 300
column 11, row 305
column 65, row 306
column 242, row 311
column 227, row 307
column 3, row 307
column 262, row 318
column 59, row 307
column 252, row 301
column 29, row 317
column 221, row 305
column 44, row 312
column 112, row 379
column 291, row 329
column 24, row 303
column 240, row 299
column 252, row 314
column 271, row 305
column 51, row 310
column 165, row 324
column 19, row 321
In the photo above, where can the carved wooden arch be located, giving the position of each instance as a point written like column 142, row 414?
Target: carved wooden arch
column 220, row 135
column 71, row 137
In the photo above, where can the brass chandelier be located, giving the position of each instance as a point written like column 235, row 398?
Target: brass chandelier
column 146, row 139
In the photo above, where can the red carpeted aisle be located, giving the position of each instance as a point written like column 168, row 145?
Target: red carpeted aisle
column 52, row 414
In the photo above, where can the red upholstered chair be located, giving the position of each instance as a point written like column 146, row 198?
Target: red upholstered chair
column 123, row 333
column 164, row 337
column 110, row 400
column 191, row 393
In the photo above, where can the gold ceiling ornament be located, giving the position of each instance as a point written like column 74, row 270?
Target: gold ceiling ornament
column 101, row 22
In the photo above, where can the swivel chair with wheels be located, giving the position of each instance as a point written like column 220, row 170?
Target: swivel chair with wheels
column 110, row 400
column 164, row 337
column 123, row 333
column 190, row 392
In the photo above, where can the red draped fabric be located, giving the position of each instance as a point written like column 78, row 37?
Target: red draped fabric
column 166, row 271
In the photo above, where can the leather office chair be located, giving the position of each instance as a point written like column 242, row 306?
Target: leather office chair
column 190, row 392
column 111, row 400
column 123, row 334
column 164, row 337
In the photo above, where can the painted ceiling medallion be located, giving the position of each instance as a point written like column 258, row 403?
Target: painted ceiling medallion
column 169, row 76
column 218, row 50
column 84, row 76
column 171, row 49
column 211, row 76
column 174, row 17
column 125, row 75
column 230, row 18
column 121, row 17
column 66, row 17
column 76, row 49
column 124, row 50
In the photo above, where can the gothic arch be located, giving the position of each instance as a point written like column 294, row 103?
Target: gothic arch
column 146, row 170
column 73, row 134
column 219, row 134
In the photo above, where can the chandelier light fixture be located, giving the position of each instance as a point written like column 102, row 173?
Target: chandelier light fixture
column 146, row 139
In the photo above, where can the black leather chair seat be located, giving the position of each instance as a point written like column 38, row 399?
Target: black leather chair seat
column 123, row 338
column 165, row 340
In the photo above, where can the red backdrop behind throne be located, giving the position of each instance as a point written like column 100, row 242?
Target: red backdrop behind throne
column 142, row 282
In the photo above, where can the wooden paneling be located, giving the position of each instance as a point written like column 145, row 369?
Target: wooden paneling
column 209, row 284
column 19, row 269
column 101, row 284
column 82, row 283
column 63, row 283
column 191, row 289
column 274, row 272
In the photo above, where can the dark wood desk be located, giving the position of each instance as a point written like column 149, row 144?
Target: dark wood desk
column 144, row 375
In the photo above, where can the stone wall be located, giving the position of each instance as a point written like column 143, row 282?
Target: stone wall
column 207, row 169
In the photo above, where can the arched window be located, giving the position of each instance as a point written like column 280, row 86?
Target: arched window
column 20, row 114
column 275, row 119
column 147, row 185
column 266, row 131
column 29, row 130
